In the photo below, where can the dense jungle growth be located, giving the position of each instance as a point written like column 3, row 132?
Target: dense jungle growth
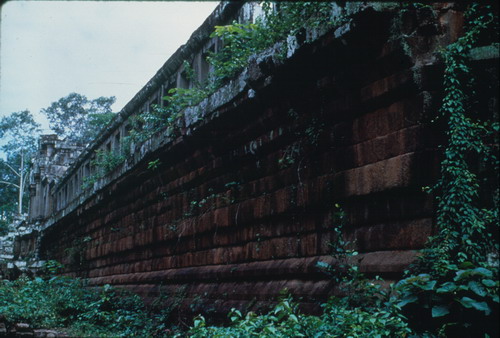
column 450, row 291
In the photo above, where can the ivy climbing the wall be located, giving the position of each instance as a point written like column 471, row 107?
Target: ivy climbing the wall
column 453, row 287
column 465, row 226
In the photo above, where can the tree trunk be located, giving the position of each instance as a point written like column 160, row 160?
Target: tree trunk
column 21, row 185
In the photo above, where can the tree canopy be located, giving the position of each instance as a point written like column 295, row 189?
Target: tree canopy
column 19, row 132
column 79, row 119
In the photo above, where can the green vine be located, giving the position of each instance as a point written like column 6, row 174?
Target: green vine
column 452, row 290
column 465, row 232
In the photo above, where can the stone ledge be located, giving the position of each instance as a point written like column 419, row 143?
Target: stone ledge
column 373, row 262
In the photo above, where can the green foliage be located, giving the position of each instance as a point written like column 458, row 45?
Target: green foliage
column 285, row 320
column 9, row 192
column 210, row 202
column 88, row 181
column 243, row 40
column 36, row 302
column 240, row 41
column 289, row 18
column 18, row 132
column 382, row 320
column 5, row 220
column 188, row 71
column 465, row 225
column 179, row 99
column 79, row 119
column 363, row 307
column 460, row 301
column 452, row 289
column 115, row 312
column 51, row 268
column 162, row 312
column 343, row 272
column 57, row 302
column 167, row 117
column 105, row 162
column 152, row 165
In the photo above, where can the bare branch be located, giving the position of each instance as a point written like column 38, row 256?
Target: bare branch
column 9, row 183
column 14, row 170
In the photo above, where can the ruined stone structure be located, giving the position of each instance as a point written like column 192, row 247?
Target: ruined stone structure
column 50, row 164
column 19, row 248
column 242, row 204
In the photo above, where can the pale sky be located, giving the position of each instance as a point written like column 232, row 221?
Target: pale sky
column 49, row 49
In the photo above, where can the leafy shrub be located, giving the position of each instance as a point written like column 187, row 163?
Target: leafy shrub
column 384, row 320
column 461, row 300
column 285, row 320
column 42, row 303
column 65, row 302
column 106, row 161
column 240, row 41
column 114, row 311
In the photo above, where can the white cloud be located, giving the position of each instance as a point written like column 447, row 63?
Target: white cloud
column 51, row 48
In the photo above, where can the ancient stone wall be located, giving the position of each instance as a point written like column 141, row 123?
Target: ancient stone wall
column 243, row 203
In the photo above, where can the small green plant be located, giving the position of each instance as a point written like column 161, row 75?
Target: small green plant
column 189, row 71
column 240, row 41
column 167, row 117
column 89, row 181
column 152, row 165
column 210, row 202
column 343, row 272
column 51, row 267
column 290, row 155
column 106, row 161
